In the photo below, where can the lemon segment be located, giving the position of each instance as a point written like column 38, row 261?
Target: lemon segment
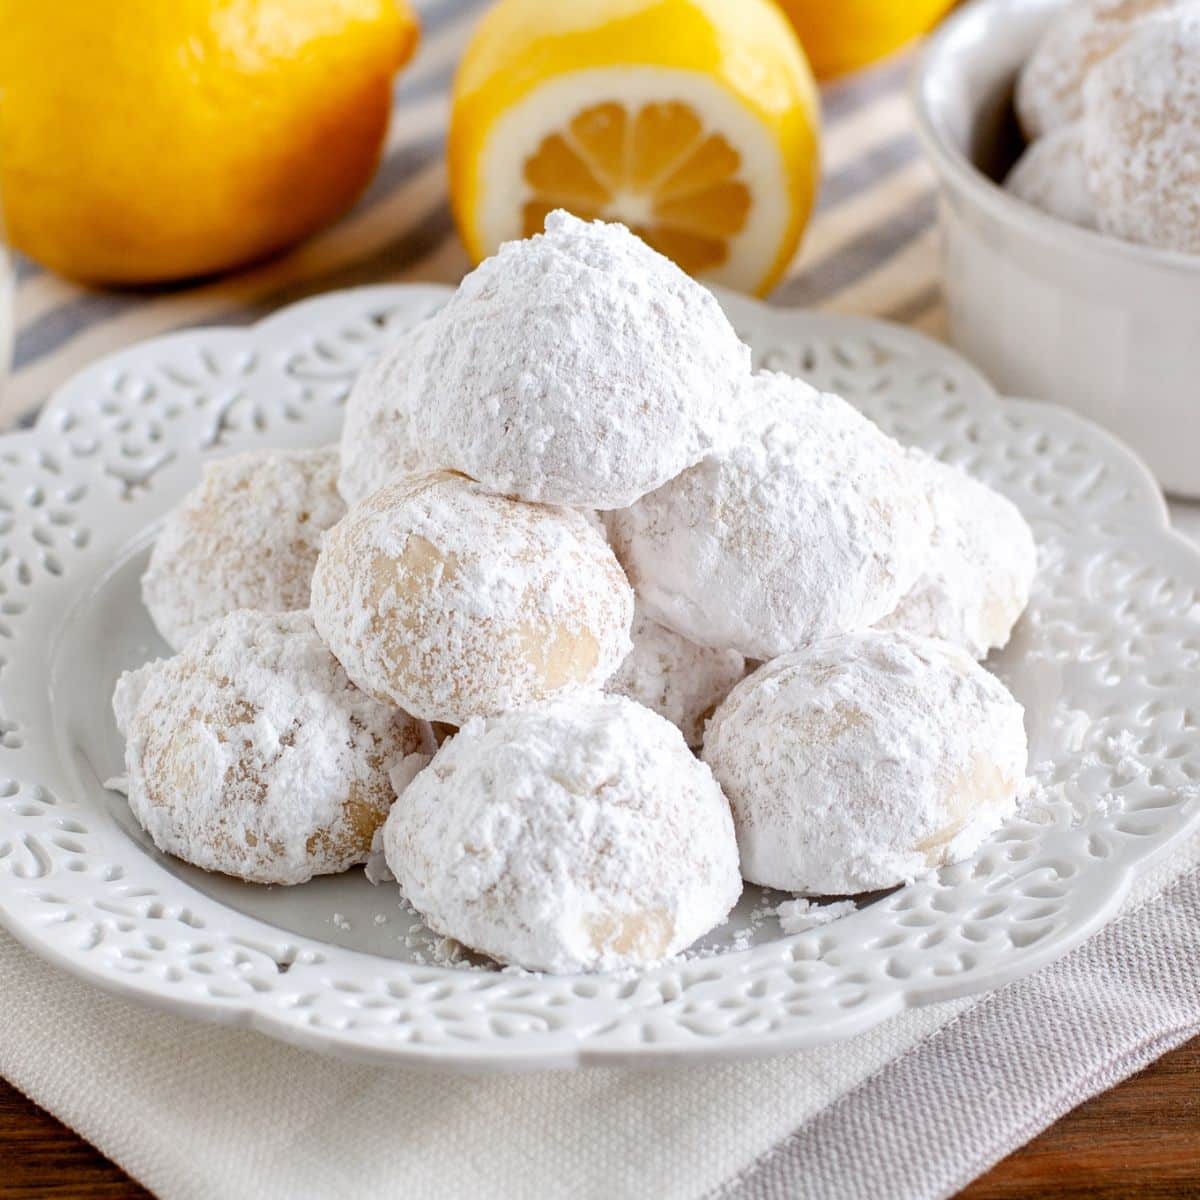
column 694, row 126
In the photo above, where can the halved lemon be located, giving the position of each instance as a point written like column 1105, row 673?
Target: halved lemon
column 695, row 122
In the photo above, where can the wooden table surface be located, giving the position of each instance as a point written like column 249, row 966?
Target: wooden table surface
column 1141, row 1139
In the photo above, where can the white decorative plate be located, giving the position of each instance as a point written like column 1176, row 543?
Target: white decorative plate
column 1107, row 663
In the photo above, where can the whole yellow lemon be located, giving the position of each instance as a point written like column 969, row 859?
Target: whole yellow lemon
column 144, row 141
column 848, row 34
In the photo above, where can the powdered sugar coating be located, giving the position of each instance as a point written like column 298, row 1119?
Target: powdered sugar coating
column 811, row 522
column 676, row 678
column 451, row 602
column 382, row 437
column 980, row 565
column 246, row 537
column 578, row 367
column 1142, row 135
column 252, row 754
column 865, row 761
column 1049, row 89
column 1051, row 176
column 580, row 834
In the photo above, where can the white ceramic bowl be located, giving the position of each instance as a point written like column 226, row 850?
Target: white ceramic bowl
column 1042, row 307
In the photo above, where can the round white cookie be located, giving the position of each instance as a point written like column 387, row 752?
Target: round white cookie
column 247, row 537
column 812, row 522
column 451, row 602
column 676, row 678
column 865, row 761
column 578, row 367
column 1051, row 176
column 979, row 567
column 1049, row 89
column 1142, row 135
column 252, row 754
column 382, row 437
column 579, row 834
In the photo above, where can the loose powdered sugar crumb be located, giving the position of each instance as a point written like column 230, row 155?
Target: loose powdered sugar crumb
column 799, row 915
column 375, row 868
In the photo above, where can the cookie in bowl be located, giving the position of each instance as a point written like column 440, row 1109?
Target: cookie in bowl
column 1051, row 175
column 1141, row 134
column 1073, row 287
column 1049, row 91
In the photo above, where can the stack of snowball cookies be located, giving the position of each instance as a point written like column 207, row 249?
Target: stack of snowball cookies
column 583, row 623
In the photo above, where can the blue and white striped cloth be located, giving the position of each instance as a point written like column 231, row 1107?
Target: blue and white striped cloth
column 870, row 248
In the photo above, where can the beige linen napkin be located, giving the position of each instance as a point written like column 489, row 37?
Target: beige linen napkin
column 914, row 1108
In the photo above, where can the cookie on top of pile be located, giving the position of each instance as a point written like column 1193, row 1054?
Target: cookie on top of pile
column 1109, row 101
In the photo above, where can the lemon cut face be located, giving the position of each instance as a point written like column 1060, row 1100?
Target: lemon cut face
column 676, row 184
column 712, row 165
column 673, row 159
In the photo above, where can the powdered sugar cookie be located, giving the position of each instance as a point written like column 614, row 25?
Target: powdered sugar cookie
column 1051, row 176
column 252, row 754
column 864, row 761
column 382, row 437
column 578, row 367
column 1142, row 135
column 812, row 522
column 980, row 564
column 579, row 834
column 247, row 537
column 676, row 678
column 1050, row 86
column 451, row 602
